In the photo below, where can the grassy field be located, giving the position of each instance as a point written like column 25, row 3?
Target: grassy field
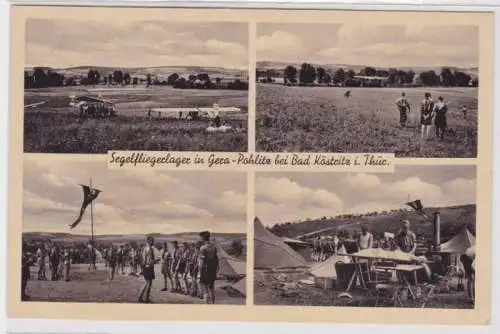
column 320, row 119
column 54, row 128
column 94, row 286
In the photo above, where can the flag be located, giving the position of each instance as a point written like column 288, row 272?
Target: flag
column 417, row 206
column 89, row 194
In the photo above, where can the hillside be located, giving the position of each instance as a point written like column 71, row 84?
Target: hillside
column 452, row 219
column 78, row 238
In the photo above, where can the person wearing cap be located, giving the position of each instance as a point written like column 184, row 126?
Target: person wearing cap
column 182, row 267
column 406, row 240
column 468, row 260
column 195, row 288
column 208, row 264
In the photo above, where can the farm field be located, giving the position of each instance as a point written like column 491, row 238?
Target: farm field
column 94, row 286
column 54, row 128
column 320, row 119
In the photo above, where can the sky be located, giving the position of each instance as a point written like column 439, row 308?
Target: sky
column 132, row 202
column 282, row 197
column 68, row 43
column 369, row 44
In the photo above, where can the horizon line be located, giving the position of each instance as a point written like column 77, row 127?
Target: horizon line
column 134, row 67
column 365, row 65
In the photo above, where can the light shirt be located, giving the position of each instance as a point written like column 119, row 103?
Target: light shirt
column 149, row 256
column 365, row 241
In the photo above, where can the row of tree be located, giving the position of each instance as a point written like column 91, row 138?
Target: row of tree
column 42, row 78
column 308, row 74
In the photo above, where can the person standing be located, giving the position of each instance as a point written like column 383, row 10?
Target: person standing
column 176, row 253
column 404, row 108
column 67, row 263
column 468, row 260
column 166, row 263
column 26, row 262
column 41, row 257
column 121, row 260
column 54, row 259
column 440, row 110
column 365, row 239
column 426, row 112
column 208, row 264
column 112, row 261
column 406, row 240
column 148, row 270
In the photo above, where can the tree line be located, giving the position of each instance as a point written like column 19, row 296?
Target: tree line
column 42, row 78
column 309, row 75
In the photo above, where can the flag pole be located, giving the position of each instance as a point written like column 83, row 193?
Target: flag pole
column 91, row 217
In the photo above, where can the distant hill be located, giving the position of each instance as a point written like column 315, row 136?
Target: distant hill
column 453, row 218
column 76, row 238
column 155, row 70
column 268, row 65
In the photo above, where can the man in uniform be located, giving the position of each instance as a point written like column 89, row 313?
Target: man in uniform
column 166, row 264
column 440, row 110
column 148, row 270
column 26, row 262
column 208, row 264
column 404, row 108
column 112, row 260
column 41, row 255
column 406, row 240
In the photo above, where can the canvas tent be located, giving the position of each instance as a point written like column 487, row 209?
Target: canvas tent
column 230, row 266
column 271, row 251
column 326, row 269
column 241, row 286
column 459, row 243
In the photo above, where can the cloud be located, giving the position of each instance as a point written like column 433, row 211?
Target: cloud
column 281, row 198
column 63, row 43
column 368, row 44
column 131, row 201
column 278, row 40
column 316, row 195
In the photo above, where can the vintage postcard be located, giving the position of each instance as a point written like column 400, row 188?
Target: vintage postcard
column 277, row 165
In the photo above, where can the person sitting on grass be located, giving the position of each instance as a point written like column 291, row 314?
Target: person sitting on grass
column 148, row 270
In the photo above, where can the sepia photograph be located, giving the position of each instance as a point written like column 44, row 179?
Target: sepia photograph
column 92, row 86
column 95, row 235
column 408, row 89
column 402, row 240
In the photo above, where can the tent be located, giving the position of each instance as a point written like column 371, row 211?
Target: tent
column 241, row 286
column 459, row 243
column 326, row 269
column 230, row 266
column 271, row 251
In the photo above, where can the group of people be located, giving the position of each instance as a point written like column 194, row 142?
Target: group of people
column 429, row 111
column 406, row 241
column 190, row 269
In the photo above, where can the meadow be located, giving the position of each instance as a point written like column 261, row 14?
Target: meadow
column 55, row 128
column 321, row 119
